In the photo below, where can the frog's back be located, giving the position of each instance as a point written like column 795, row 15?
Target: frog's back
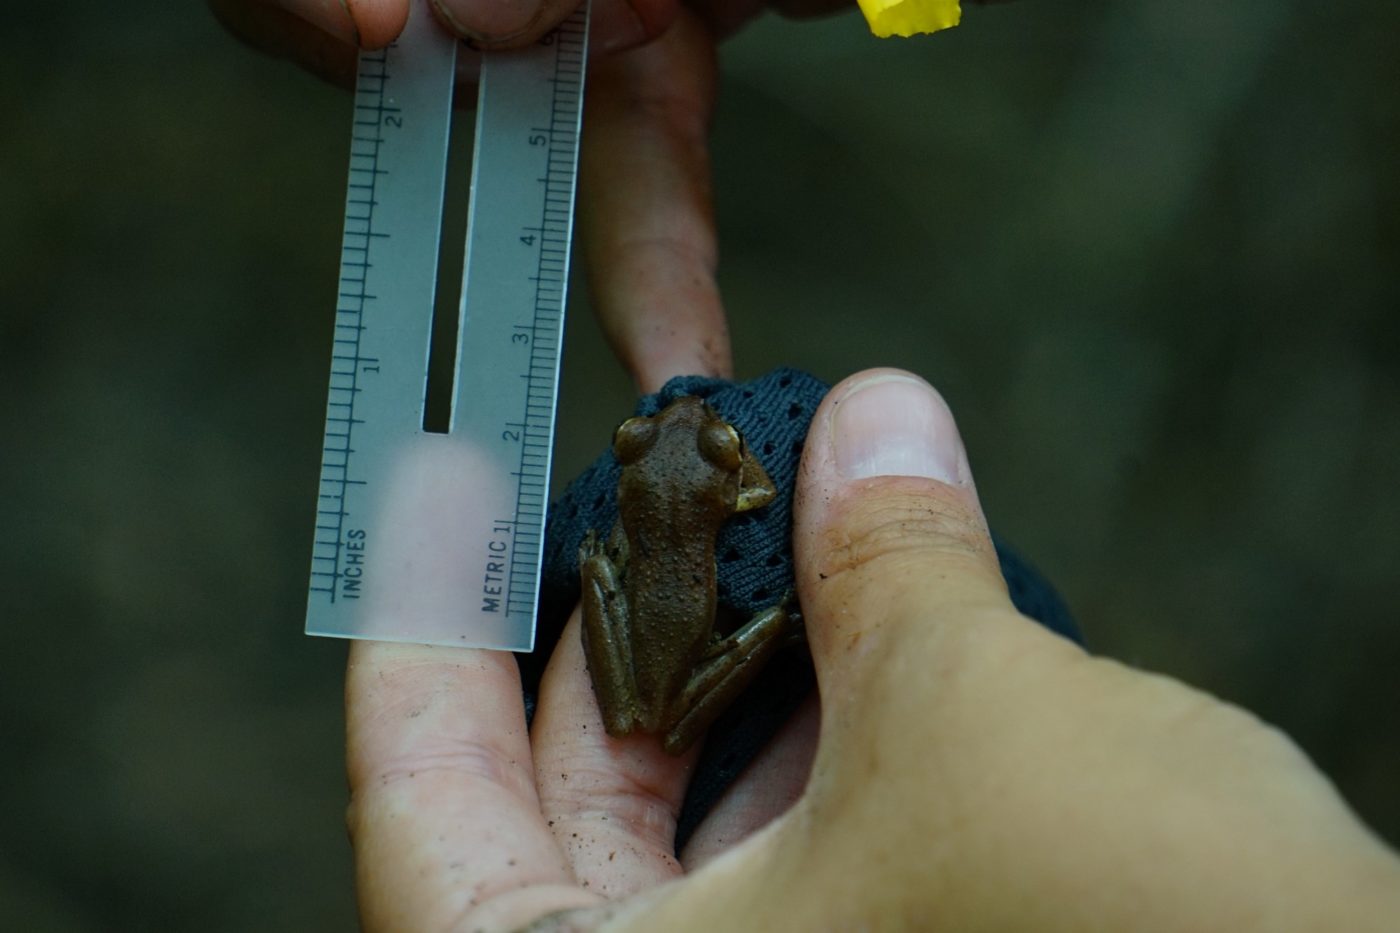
column 672, row 502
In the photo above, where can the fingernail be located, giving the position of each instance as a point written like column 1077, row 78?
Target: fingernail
column 896, row 425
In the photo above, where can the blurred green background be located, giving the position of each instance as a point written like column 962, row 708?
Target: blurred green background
column 1148, row 250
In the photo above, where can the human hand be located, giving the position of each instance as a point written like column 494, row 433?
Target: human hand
column 971, row 770
column 325, row 35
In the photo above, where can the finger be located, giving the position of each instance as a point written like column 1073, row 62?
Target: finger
column 766, row 789
column 323, row 36
column 369, row 24
column 443, row 815
column 611, row 802
column 645, row 210
column 275, row 24
column 493, row 24
column 326, row 51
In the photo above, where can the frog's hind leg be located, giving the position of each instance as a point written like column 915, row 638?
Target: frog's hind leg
column 729, row 667
column 606, row 645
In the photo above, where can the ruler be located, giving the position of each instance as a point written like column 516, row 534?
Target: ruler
column 431, row 537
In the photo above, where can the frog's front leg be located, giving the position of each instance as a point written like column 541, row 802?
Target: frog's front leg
column 727, row 669
column 607, row 644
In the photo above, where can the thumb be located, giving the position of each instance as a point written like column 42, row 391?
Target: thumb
column 889, row 534
column 977, row 753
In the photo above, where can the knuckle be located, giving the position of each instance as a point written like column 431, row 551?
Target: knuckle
column 653, row 17
column 461, row 761
column 597, row 794
column 906, row 528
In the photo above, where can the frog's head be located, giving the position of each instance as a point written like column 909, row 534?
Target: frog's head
column 688, row 451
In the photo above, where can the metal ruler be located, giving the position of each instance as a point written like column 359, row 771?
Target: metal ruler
column 437, row 537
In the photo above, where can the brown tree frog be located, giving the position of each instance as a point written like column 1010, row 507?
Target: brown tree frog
column 656, row 662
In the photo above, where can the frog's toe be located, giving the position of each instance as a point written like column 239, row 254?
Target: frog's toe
column 588, row 546
column 677, row 741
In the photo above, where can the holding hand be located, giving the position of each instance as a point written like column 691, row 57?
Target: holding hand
column 970, row 768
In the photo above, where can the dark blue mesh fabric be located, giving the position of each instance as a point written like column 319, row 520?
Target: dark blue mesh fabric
column 754, row 565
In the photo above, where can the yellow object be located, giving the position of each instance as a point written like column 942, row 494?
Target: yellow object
column 907, row 17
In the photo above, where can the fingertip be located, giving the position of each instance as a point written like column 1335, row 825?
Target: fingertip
column 888, row 422
column 402, row 698
column 377, row 22
column 368, row 24
column 886, row 515
column 878, row 423
column 490, row 24
column 615, row 24
column 443, row 816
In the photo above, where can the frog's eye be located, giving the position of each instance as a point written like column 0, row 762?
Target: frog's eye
column 633, row 438
column 720, row 444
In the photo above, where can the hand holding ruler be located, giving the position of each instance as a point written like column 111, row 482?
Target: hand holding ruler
column 420, row 536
